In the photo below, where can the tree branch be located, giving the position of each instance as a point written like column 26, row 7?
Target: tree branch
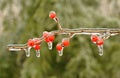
column 103, row 33
column 85, row 31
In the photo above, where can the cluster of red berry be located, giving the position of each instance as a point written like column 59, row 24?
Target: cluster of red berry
column 49, row 37
column 60, row 46
column 97, row 40
column 35, row 43
column 96, row 37
column 65, row 41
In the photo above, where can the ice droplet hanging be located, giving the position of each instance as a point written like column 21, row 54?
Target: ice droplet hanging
column 37, row 53
column 60, row 52
column 50, row 45
column 59, row 48
column 27, row 51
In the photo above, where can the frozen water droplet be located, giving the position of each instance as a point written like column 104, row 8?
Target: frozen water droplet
column 37, row 53
column 50, row 45
column 100, row 48
column 60, row 52
column 27, row 51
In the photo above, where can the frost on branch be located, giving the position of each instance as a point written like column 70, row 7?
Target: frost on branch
column 98, row 37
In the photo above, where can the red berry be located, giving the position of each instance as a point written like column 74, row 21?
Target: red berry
column 94, row 38
column 65, row 42
column 31, row 42
column 59, row 47
column 100, row 41
column 45, row 34
column 51, row 38
column 47, row 40
column 52, row 14
column 37, row 47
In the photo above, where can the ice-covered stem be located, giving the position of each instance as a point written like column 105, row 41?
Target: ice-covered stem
column 53, row 15
column 88, row 31
column 16, row 47
column 59, row 25
column 85, row 31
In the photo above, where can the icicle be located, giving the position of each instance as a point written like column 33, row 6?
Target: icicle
column 60, row 52
column 100, row 48
column 27, row 51
column 50, row 45
column 37, row 53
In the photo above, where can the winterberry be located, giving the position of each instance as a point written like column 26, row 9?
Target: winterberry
column 65, row 42
column 37, row 47
column 59, row 47
column 47, row 40
column 31, row 42
column 100, row 41
column 94, row 38
column 52, row 14
column 51, row 38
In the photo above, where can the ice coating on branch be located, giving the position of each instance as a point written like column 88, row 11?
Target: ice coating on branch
column 14, row 49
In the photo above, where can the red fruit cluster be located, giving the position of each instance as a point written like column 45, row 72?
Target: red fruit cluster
column 97, row 40
column 65, row 43
column 48, row 36
column 52, row 14
column 35, row 43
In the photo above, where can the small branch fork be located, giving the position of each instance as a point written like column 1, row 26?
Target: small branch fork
column 104, row 32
